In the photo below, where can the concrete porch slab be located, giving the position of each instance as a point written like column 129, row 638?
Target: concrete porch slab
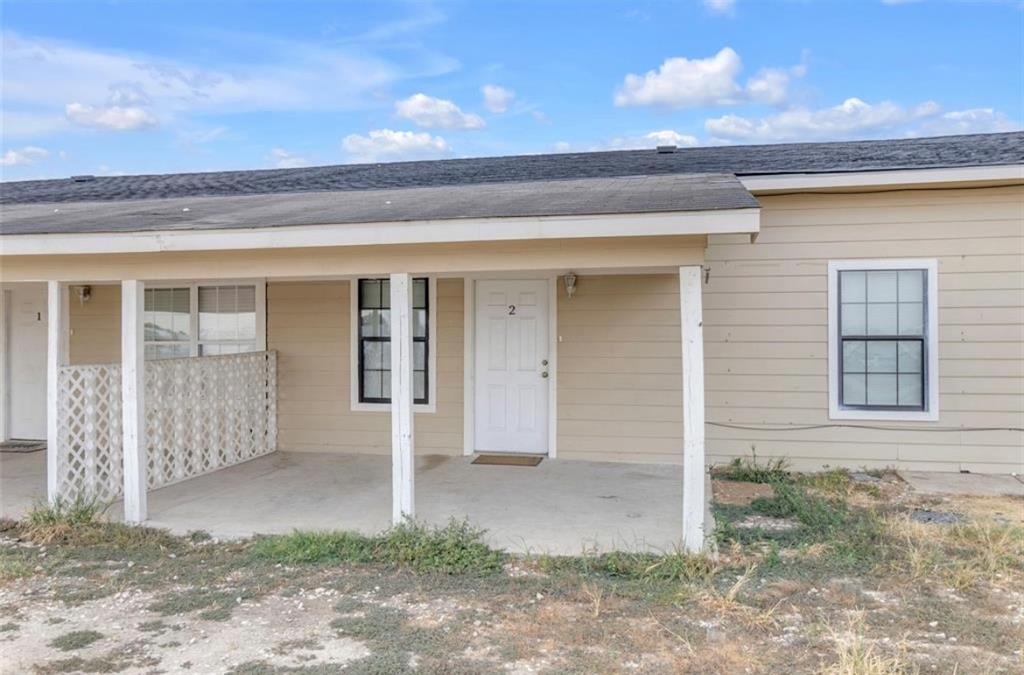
column 975, row 484
column 22, row 482
column 560, row 506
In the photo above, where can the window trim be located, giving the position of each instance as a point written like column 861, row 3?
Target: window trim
column 193, row 306
column 355, row 404
column 931, row 343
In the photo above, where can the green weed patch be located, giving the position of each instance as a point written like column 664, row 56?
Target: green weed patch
column 752, row 471
column 456, row 548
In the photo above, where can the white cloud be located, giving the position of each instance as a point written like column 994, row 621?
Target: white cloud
column 385, row 145
column 973, row 121
column 30, row 154
column 670, row 137
column 42, row 76
column 496, row 98
column 282, row 159
column 721, row 6
column 854, row 118
column 128, row 94
column 436, row 113
column 770, row 86
column 681, row 82
column 110, row 118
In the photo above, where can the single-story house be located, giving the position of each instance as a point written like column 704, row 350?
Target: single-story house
column 630, row 316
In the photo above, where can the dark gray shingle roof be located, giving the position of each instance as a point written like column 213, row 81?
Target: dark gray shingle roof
column 589, row 196
column 948, row 151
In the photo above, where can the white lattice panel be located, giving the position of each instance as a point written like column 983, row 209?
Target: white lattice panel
column 89, row 461
column 202, row 414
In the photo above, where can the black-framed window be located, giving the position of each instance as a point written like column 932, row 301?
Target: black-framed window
column 375, row 340
column 883, row 339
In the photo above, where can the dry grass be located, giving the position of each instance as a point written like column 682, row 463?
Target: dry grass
column 48, row 522
column 856, row 655
column 767, row 602
column 727, row 604
column 1005, row 509
column 594, row 594
column 961, row 556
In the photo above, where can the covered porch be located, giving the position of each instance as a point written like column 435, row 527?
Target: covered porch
column 556, row 507
column 195, row 442
column 573, row 336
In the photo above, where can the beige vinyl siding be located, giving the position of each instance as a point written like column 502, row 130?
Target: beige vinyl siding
column 308, row 323
column 619, row 378
column 766, row 327
column 95, row 325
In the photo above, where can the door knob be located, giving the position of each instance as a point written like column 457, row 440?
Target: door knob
column 544, row 374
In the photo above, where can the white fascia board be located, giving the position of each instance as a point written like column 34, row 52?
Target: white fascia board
column 725, row 221
column 863, row 179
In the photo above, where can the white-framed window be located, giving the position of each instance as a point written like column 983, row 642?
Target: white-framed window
column 883, row 340
column 370, row 340
column 204, row 318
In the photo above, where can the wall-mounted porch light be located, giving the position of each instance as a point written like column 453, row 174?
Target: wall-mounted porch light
column 570, row 284
column 84, row 293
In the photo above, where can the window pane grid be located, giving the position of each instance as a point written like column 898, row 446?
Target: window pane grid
column 224, row 319
column 882, row 339
column 167, row 315
column 375, row 340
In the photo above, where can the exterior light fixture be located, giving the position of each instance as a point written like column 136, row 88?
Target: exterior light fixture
column 570, row 284
column 84, row 293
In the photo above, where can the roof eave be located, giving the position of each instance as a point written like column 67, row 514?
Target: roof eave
column 766, row 184
column 468, row 230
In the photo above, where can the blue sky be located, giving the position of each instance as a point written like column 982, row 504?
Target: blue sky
column 152, row 87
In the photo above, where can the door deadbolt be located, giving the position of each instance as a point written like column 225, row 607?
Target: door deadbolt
column 544, row 362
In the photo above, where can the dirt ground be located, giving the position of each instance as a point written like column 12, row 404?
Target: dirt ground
column 776, row 598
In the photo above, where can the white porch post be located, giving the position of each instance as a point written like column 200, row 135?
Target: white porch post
column 133, row 404
column 403, row 500
column 690, row 280
column 56, row 356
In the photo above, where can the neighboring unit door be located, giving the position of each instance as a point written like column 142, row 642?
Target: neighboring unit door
column 26, row 359
column 512, row 366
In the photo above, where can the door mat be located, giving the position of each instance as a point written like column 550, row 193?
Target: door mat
column 22, row 446
column 508, row 460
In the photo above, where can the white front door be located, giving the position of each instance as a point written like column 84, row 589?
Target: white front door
column 26, row 359
column 512, row 366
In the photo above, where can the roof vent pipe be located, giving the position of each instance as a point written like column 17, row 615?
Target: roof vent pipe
column 666, row 149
